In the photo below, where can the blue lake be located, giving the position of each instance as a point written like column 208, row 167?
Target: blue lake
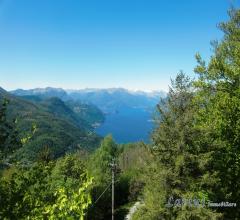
column 127, row 125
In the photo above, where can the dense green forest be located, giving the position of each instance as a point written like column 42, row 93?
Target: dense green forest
column 53, row 166
column 61, row 126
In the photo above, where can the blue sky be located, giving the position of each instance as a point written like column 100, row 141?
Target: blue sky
column 136, row 44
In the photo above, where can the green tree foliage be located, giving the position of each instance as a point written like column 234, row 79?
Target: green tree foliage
column 134, row 158
column 69, row 171
column 70, row 204
column 176, row 172
column 99, row 165
column 24, row 191
column 130, row 160
column 218, row 95
column 99, row 168
column 46, row 191
column 9, row 138
column 45, row 155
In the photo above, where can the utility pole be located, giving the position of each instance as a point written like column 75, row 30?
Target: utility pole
column 113, row 167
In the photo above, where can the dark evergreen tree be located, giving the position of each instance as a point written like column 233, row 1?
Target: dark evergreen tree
column 173, row 185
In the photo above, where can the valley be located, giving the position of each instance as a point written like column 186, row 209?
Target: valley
column 127, row 114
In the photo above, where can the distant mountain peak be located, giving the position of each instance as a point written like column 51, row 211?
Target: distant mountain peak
column 107, row 99
column 87, row 90
column 2, row 90
column 43, row 92
column 117, row 89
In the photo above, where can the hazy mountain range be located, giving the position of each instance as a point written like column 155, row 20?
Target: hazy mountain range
column 106, row 99
column 128, row 114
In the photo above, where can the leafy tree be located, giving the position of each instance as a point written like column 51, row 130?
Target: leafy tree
column 218, row 95
column 69, row 203
column 176, row 172
column 64, row 201
column 99, row 168
column 99, row 165
column 69, row 172
column 26, row 186
column 46, row 191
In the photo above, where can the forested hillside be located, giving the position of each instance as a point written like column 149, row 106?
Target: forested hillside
column 56, row 124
